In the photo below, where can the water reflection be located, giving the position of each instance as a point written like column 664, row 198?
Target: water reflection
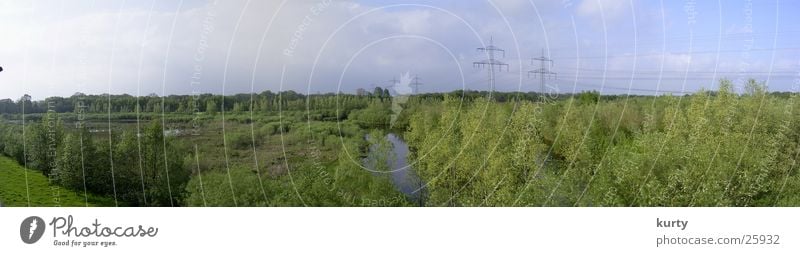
column 389, row 156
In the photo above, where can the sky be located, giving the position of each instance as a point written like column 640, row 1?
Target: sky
column 58, row 48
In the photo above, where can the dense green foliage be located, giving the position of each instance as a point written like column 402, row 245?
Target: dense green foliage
column 719, row 149
column 715, row 148
column 143, row 170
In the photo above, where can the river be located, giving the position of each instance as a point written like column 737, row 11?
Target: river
column 402, row 174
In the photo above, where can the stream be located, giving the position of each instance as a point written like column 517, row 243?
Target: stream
column 402, row 174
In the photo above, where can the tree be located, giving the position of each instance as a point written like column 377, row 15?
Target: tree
column 238, row 107
column 211, row 107
column 12, row 143
column 8, row 106
column 164, row 174
column 25, row 105
column 588, row 97
column 44, row 139
column 71, row 170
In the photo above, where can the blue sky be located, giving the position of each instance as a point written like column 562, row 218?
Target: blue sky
column 57, row 48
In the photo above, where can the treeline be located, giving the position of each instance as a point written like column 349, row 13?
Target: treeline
column 143, row 169
column 260, row 102
column 706, row 149
column 265, row 101
column 206, row 103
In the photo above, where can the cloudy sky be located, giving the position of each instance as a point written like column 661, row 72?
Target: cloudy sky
column 57, row 48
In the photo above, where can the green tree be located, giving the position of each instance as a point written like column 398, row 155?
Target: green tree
column 211, row 107
column 71, row 170
column 164, row 174
column 44, row 141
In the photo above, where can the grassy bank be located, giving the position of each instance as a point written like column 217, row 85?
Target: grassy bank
column 14, row 191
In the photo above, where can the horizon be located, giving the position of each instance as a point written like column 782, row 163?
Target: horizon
column 369, row 93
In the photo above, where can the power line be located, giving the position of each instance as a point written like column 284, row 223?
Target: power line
column 415, row 82
column 543, row 71
column 394, row 82
column 491, row 61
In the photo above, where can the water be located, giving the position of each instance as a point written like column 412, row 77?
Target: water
column 403, row 176
column 173, row 132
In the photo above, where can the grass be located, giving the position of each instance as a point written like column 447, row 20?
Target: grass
column 14, row 191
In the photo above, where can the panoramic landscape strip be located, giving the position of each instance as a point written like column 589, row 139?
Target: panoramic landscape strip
column 464, row 148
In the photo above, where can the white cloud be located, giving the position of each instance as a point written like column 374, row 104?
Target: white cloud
column 598, row 10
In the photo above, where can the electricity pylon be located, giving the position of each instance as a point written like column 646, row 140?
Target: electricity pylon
column 415, row 82
column 543, row 72
column 491, row 62
column 393, row 82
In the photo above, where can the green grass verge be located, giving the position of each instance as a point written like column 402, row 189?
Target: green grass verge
column 15, row 192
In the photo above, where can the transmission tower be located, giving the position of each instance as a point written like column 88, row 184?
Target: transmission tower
column 415, row 82
column 491, row 62
column 543, row 72
column 394, row 82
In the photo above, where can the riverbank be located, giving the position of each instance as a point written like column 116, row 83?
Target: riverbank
column 397, row 166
